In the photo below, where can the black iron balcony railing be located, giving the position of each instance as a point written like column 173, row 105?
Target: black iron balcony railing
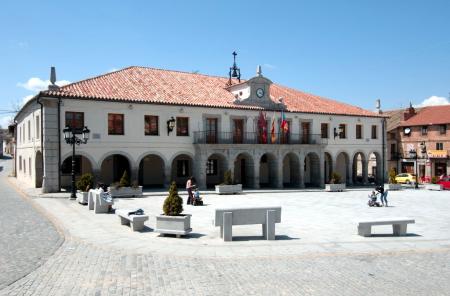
column 203, row 137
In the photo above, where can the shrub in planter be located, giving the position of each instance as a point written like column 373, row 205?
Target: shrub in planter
column 228, row 186
column 173, row 222
column 335, row 178
column 85, row 183
column 434, row 180
column 173, row 205
column 392, row 175
column 125, row 180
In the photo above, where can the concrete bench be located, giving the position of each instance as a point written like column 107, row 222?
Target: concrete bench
column 267, row 216
column 399, row 225
column 136, row 222
column 101, row 205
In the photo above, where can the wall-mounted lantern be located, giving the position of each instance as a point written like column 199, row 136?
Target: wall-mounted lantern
column 170, row 125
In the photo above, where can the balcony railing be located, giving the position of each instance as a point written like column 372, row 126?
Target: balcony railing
column 203, row 137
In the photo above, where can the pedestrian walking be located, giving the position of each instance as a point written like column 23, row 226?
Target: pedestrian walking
column 189, row 190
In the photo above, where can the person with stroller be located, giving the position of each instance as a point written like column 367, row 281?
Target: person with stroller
column 383, row 195
column 373, row 200
column 197, row 200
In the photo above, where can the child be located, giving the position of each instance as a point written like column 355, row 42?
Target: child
column 197, row 199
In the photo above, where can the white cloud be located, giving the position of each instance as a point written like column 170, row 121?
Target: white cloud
column 112, row 70
column 36, row 84
column 434, row 101
column 26, row 99
column 269, row 66
column 5, row 121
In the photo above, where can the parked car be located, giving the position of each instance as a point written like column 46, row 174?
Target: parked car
column 445, row 181
column 405, row 178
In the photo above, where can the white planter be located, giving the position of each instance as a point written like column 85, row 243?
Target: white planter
column 335, row 187
column 125, row 191
column 179, row 225
column 393, row 187
column 82, row 197
column 437, row 187
column 228, row 189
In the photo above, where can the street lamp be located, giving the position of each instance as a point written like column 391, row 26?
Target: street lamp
column 70, row 135
column 413, row 155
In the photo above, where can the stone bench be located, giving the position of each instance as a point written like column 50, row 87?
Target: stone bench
column 267, row 216
column 136, row 222
column 101, row 205
column 399, row 225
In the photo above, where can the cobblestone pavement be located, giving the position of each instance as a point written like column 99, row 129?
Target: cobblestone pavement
column 27, row 239
column 101, row 257
column 82, row 269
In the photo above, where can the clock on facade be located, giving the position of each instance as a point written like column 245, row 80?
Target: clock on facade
column 260, row 92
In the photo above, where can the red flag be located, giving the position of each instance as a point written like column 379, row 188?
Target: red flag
column 262, row 126
column 272, row 132
column 284, row 124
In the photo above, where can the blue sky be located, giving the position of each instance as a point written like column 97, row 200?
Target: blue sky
column 351, row 51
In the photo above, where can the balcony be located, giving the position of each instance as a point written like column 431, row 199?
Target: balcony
column 256, row 138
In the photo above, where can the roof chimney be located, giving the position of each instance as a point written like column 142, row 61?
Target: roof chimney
column 53, row 86
column 378, row 106
column 410, row 112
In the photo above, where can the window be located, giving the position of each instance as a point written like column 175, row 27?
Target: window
column 305, row 128
column 24, row 166
column 324, row 130
column 211, row 167
column 393, row 151
column 424, row 130
column 20, row 163
column 182, row 168
column 38, row 129
column 75, row 119
column 211, row 130
column 238, row 132
column 374, row 131
column 29, row 166
column 359, row 131
column 439, row 146
column 443, row 129
column 29, row 130
column 20, row 135
column 115, row 124
column 151, row 125
column 66, row 167
column 342, row 131
column 182, row 126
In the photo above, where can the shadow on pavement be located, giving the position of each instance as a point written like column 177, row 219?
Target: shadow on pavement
column 277, row 237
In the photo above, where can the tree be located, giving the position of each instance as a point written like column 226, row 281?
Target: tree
column 125, row 180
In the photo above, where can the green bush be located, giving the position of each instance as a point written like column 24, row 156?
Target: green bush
column 392, row 175
column 86, row 182
column 434, row 180
column 173, row 205
column 335, row 178
column 125, row 180
column 227, row 179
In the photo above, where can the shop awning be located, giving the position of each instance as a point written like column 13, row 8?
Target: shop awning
column 437, row 153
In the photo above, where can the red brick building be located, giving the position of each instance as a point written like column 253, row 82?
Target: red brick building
column 419, row 137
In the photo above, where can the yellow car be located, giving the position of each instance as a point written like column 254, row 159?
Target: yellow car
column 405, row 178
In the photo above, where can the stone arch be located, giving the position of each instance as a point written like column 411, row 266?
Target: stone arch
column 359, row 168
column 93, row 162
column 268, row 170
column 39, row 169
column 128, row 156
column 216, row 166
column 244, row 170
column 83, row 165
column 312, row 170
column 151, row 171
column 181, row 168
column 113, row 166
column 291, row 170
column 156, row 153
column 328, row 166
column 374, row 167
column 343, row 166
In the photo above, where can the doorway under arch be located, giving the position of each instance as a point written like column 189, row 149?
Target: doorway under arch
column 151, row 171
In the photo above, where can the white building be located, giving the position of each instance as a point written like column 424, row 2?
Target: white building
column 218, row 127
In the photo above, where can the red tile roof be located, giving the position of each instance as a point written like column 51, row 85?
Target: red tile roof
column 149, row 85
column 429, row 115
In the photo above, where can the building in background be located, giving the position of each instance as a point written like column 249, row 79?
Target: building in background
column 418, row 140
column 162, row 126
